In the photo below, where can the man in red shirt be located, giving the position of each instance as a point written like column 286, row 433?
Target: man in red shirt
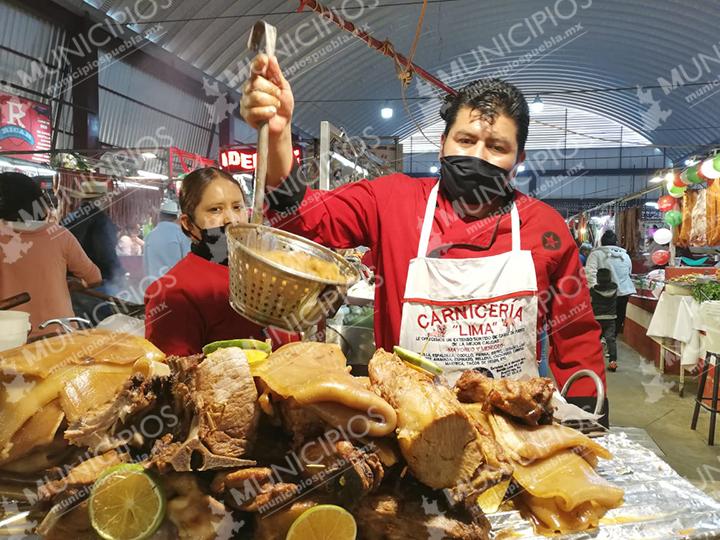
column 468, row 268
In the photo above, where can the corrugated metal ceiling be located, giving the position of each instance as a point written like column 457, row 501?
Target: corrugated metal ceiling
column 593, row 45
column 584, row 130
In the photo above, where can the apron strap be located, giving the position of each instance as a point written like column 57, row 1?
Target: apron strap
column 430, row 214
column 428, row 221
column 515, row 221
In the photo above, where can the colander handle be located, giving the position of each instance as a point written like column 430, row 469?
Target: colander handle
column 261, row 31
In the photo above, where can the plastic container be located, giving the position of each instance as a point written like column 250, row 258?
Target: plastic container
column 14, row 328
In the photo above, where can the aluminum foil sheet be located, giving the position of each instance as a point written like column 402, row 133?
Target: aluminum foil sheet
column 659, row 503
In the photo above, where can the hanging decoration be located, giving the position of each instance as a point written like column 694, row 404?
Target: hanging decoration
column 662, row 236
column 692, row 175
column 677, row 192
column 660, row 257
column 680, row 180
column 673, row 218
column 666, row 203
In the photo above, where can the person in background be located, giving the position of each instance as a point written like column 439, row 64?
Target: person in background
column 585, row 250
column 97, row 234
column 38, row 255
column 130, row 244
column 604, row 296
column 611, row 256
column 166, row 244
column 189, row 306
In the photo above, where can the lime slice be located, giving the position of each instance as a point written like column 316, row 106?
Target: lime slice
column 323, row 522
column 417, row 360
column 126, row 503
column 248, row 344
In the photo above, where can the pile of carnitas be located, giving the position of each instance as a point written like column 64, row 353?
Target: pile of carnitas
column 243, row 449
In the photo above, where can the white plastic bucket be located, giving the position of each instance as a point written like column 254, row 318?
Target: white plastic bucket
column 14, row 328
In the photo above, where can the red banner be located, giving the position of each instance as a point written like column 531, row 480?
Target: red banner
column 25, row 125
column 242, row 159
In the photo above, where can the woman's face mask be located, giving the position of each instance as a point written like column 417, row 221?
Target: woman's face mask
column 221, row 204
column 212, row 245
column 472, row 180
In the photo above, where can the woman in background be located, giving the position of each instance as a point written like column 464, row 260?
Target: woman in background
column 189, row 306
column 36, row 255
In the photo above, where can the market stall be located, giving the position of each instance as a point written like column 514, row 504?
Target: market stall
column 687, row 257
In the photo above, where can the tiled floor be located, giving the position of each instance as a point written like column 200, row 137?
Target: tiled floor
column 640, row 396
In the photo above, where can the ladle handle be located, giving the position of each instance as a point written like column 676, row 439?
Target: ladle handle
column 262, row 149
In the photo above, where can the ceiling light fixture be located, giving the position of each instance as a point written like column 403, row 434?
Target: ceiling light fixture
column 537, row 106
column 386, row 112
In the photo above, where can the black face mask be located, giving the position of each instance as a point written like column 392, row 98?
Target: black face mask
column 212, row 245
column 471, row 180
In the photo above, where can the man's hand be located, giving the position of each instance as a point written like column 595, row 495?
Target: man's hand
column 267, row 96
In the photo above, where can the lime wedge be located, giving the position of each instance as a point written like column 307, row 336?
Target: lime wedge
column 323, row 522
column 248, row 344
column 126, row 503
column 417, row 360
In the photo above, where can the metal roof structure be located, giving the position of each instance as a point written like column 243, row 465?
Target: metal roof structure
column 561, row 127
column 652, row 66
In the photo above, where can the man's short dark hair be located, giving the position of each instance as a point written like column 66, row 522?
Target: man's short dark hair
column 21, row 198
column 490, row 97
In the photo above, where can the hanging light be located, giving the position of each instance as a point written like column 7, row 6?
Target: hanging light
column 656, row 180
column 690, row 162
column 537, row 106
column 386, row 113
column 521, row 168
column 710, row 168
column 433, row 169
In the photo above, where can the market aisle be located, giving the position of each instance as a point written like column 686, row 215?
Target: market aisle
column 641, row 397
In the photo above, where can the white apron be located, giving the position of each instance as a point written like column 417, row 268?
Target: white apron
column 478, row 313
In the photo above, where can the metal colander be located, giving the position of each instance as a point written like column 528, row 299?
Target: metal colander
column 271, row 294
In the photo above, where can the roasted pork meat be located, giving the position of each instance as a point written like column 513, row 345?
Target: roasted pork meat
column 528, row 401
column 393, row 517
column 110, row 426
column 216, row 413
column 440, row 442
